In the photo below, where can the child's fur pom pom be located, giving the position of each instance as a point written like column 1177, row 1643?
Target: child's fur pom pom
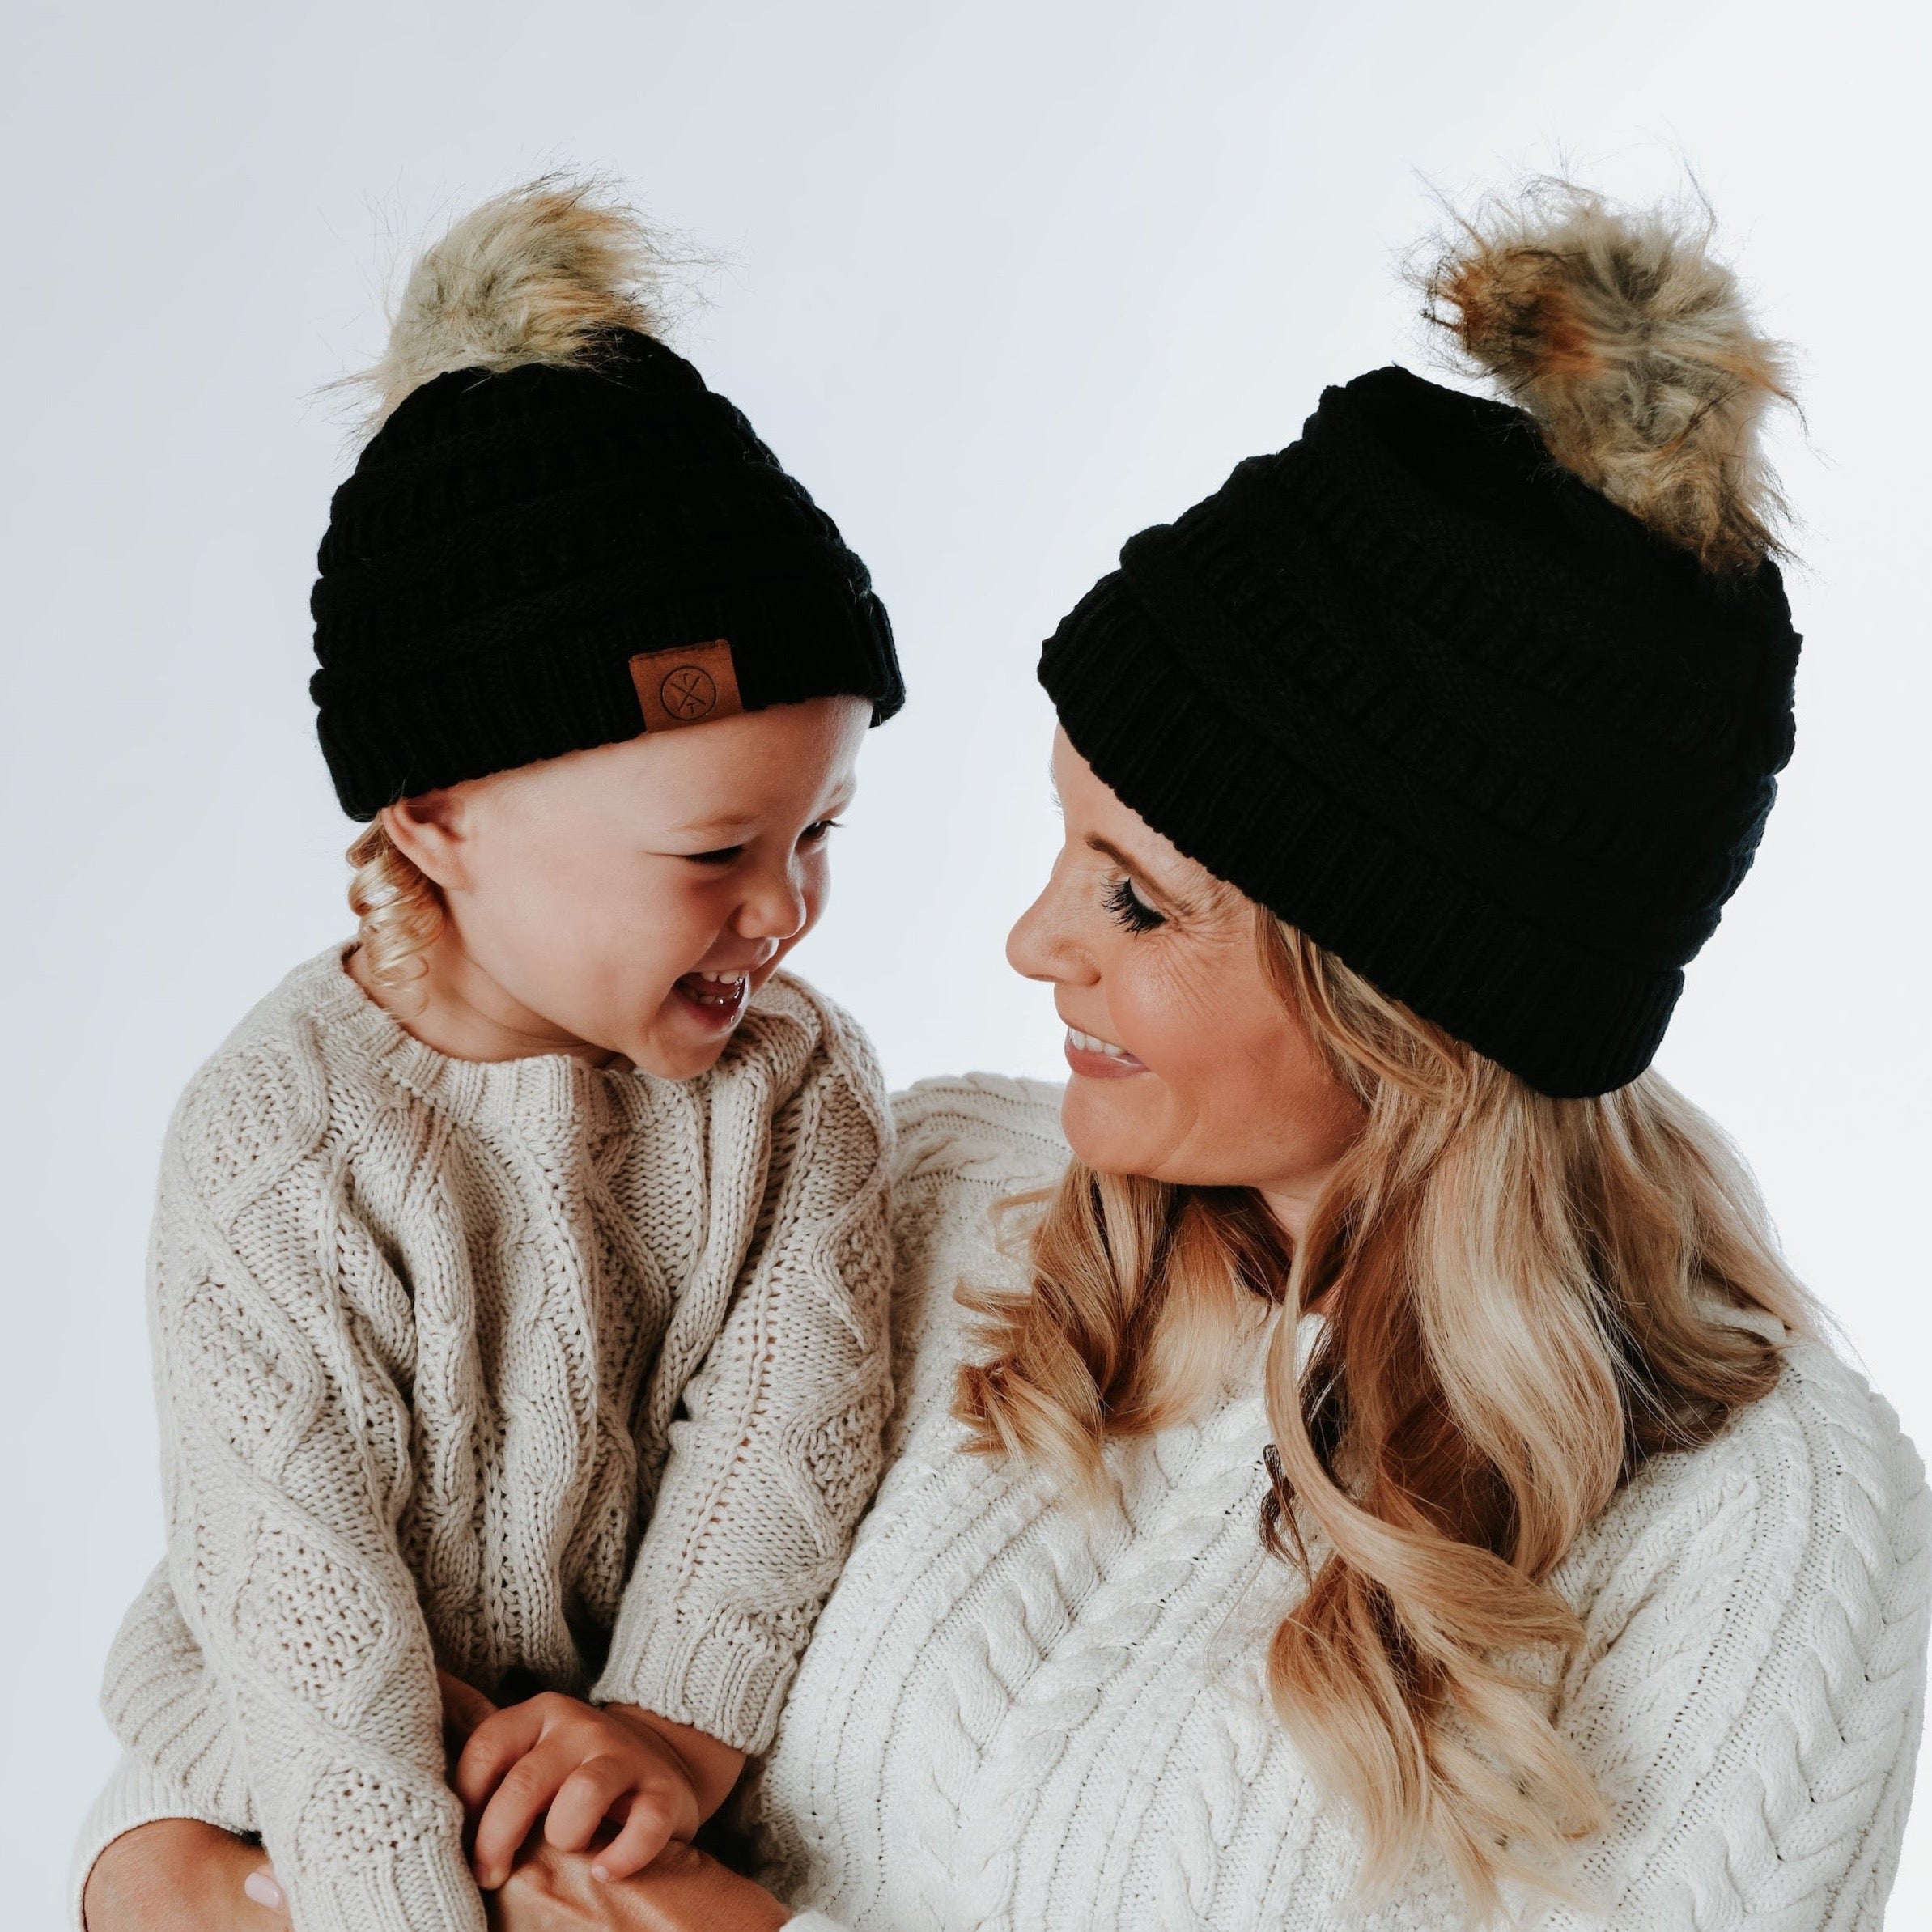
column 541, row 274
column 1634, row 351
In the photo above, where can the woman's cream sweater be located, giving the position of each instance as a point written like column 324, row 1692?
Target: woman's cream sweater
column 1011, row 1717
column 436, row 1342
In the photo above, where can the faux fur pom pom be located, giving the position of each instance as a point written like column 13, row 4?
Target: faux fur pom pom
column 541, row 274
column 1634, row 351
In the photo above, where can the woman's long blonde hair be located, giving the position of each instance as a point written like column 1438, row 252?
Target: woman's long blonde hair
column 1525, row 1299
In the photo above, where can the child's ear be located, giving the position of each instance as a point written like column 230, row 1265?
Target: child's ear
column 430, row 831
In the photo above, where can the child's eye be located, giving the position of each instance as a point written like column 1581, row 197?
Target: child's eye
column 1127, row 906
column 814, row 834
column 725, row 855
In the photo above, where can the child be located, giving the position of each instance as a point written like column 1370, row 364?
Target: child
column 519, row 1278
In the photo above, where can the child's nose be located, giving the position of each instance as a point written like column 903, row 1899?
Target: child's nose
column 776, row 909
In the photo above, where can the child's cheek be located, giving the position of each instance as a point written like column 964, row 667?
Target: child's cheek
column 815, row 889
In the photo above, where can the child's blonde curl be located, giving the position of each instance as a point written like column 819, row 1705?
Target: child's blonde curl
column 398, row 910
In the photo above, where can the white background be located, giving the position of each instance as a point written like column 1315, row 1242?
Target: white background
column 1004, row 282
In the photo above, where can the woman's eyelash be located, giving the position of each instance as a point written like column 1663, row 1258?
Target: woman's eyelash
column 1127, row 907
column 813, row 832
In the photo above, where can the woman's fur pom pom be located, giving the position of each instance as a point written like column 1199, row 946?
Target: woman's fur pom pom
column 1634, row 351
column 541, row 274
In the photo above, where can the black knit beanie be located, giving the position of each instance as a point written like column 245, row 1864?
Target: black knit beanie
column 559, row 537
column 1502, row 744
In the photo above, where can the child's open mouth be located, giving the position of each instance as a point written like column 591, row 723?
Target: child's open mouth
column 718, row 999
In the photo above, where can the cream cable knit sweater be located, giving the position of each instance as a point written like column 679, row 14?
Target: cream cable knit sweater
column 436, row 1341
column 1009, row 1718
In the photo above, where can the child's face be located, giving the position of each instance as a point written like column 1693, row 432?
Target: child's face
column 632, row 898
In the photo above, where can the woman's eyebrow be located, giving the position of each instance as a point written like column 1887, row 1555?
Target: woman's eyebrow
column 1108, row 850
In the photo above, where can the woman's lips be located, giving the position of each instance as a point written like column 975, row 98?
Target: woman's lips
column 1095, row 1058
column 717, row 999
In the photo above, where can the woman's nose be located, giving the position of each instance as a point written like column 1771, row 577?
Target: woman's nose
column 1037, row 947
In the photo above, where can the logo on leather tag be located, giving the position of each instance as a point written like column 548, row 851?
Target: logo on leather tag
column 689, row 683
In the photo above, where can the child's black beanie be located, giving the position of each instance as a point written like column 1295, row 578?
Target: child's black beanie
column 510, row 545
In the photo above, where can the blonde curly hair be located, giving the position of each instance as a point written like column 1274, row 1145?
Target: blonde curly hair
column 399, row 914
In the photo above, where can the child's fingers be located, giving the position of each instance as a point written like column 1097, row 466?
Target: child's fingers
column 522, row 1798
column 585, row 1800
column 464, row 1707
column 648, row 1830
column 497, row 1743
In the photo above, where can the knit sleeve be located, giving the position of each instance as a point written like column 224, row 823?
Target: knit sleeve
column 158, row 1689
column 285, row 1467
column 135, row 1794
column 1751, row 1691
column 777, row 1450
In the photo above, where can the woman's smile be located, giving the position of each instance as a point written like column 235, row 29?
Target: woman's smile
column 1095, row 1058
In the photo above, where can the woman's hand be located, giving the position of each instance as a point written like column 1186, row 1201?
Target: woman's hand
column 178, row 1874
column 683, row 1889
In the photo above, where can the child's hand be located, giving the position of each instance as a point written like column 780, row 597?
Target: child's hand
column 583, row 1765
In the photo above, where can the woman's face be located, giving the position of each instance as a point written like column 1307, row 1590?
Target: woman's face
column 1187, row 1064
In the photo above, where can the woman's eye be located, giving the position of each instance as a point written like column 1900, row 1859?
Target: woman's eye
column 1127, row 906
column 725, row 855
column 817, row 833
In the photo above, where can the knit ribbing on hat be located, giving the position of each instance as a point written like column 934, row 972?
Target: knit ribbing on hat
column 1452, row 714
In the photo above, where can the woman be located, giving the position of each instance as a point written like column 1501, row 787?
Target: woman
column 1389, row 1465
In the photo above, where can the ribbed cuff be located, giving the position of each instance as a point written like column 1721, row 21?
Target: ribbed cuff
column 164, row 1709
column 717, row 1674
column 431, row 1891
column 133, row 1795
column 427, row 1888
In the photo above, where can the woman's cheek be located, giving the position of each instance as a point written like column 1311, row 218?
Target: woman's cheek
column 1164, row 1016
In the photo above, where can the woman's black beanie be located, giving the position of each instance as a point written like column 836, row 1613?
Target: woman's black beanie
column 1502, row 745
column 559, row 537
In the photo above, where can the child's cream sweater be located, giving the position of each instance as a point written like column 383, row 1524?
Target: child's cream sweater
column 436, row 1342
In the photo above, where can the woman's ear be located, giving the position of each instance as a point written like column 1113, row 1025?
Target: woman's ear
column 431, row 830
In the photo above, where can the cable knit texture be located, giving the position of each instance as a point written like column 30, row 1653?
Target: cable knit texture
column 1011, row 1717
column 436, row 1341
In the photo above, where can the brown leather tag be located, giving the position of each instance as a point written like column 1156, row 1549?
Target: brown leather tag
column 690, row 684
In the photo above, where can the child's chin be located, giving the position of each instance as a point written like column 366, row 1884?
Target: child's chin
column 678, row 1052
